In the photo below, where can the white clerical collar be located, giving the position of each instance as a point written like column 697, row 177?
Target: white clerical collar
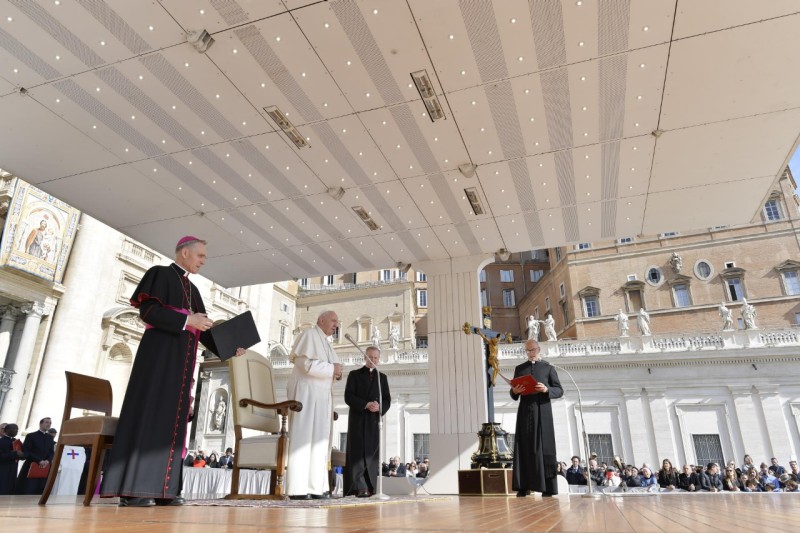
column 181, row 271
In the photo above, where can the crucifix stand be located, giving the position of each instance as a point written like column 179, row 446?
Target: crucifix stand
column 493, row 450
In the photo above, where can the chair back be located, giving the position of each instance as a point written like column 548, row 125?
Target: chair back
column 88, row 393
column 251, row 377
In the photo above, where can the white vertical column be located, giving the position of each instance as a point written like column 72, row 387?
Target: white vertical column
column 33, row 316
column 750, row 423
column 455, row 368
column 662, row 432
column 780, row 442
column 637, row 427
column 9, row 315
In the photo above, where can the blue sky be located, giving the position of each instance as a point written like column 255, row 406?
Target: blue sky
column 794, row 163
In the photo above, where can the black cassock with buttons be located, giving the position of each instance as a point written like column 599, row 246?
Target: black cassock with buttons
column 147, row 457
column 535, row 462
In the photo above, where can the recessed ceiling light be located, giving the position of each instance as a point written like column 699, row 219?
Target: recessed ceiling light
column 520, row 58
column 217, row 96
column 349, row 63
column 133, row 117
column 452, row 37
column 57, row 2
column 636, row 124
column 436, row 139
column 639, row 97
column 374, row 11
column 97, row 89
column 581, row 43
column 102, row 43
column 278, row 38
column 585, row 134
column 10, row 19
column 202, row 11
column 58, row 57
column 94, row 126
column 366, row 94
column 325, row 104
column 527, row 91
column 513, row 21
column 203, row 132
column 586, row 156
column 583, row 78
column 635, row 148
column 235, row 51
column 126, row 150
column 579, row 3
column 641, row 65
column 326, row 25
column 186, row 64
column 646, row 28
column 584, row 108
column 463, row 72
column 633, row 169
column 531, row 119
column 174, row 107
column 303, row 74
column 474, row 102
column 151, row 28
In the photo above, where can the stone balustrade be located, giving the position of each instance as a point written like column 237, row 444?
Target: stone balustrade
column 675, row 342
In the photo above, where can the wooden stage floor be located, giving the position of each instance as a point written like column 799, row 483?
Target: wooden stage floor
column 635, row 513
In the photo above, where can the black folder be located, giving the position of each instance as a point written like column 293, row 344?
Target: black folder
column 238, row 332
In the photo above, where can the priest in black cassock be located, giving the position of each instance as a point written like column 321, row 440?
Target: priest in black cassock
column 10, row 454
column 363, row 454
column 146, row 462
column 535, row 463
column 38, row 447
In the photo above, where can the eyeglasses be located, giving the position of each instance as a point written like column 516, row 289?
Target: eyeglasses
column 531, row 349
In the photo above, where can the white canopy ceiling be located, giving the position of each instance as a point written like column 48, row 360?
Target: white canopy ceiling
column 586, row 119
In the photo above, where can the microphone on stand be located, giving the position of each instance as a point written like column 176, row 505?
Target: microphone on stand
column 379, row 495
column 590, row 493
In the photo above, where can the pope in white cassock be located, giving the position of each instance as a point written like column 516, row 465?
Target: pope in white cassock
column 311, row 383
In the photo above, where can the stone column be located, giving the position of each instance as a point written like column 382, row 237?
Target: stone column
column 455, row 368
column 662, row 431
column 9, row 315
column 751, row 424
column 779, row 441
column 637, row 427
column 33, row 316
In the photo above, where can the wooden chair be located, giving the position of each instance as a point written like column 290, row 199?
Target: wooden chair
column 254, row 408
column 94, row 431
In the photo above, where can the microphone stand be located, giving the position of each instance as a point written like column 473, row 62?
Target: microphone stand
column 378, row 495
column 590, row 493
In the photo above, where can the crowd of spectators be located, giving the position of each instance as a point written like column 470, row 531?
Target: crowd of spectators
column 690, row 478
column 198, row 459
column 416, row 468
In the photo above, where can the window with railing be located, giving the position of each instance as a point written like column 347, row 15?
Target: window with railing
column 682, row 296
column 591, row 306
column 421, row 276
column 707, row 449
column 508, row 298
column 506, row 275
column 422, row 448
column 602, row 444
column 422, row 298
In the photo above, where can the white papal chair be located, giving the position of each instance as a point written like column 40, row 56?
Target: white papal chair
column 254, row 408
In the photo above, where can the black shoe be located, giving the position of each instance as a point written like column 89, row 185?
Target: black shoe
column 363, row 494
column 522, row 493
column 175, row 502
column 547, row 495
column 323, row 496
column 136, row 502
column 300, row 497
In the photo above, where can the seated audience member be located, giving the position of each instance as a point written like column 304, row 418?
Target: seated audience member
column 731, row 481
column 575, row 474
column 732, row 464
column 212, row 461
column 752, row 475
column 401, row 467
column 199, row 462
column 412, row 469
column 189, row 461
column 647, row 479
column 687, row 479
column 710, row 480
column 226, row 461
column 668, row 475
column 423, row 470
column 791, row 486
column 769, row 487
column 752, row 486
column 596, row 474
column 765, row 476
column 793, row 471
column 776, row 469
column 612, row 477
column 747, row 464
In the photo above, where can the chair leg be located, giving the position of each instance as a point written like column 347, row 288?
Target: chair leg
column 98, row 450
column 235, row 480
column 51, row 477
